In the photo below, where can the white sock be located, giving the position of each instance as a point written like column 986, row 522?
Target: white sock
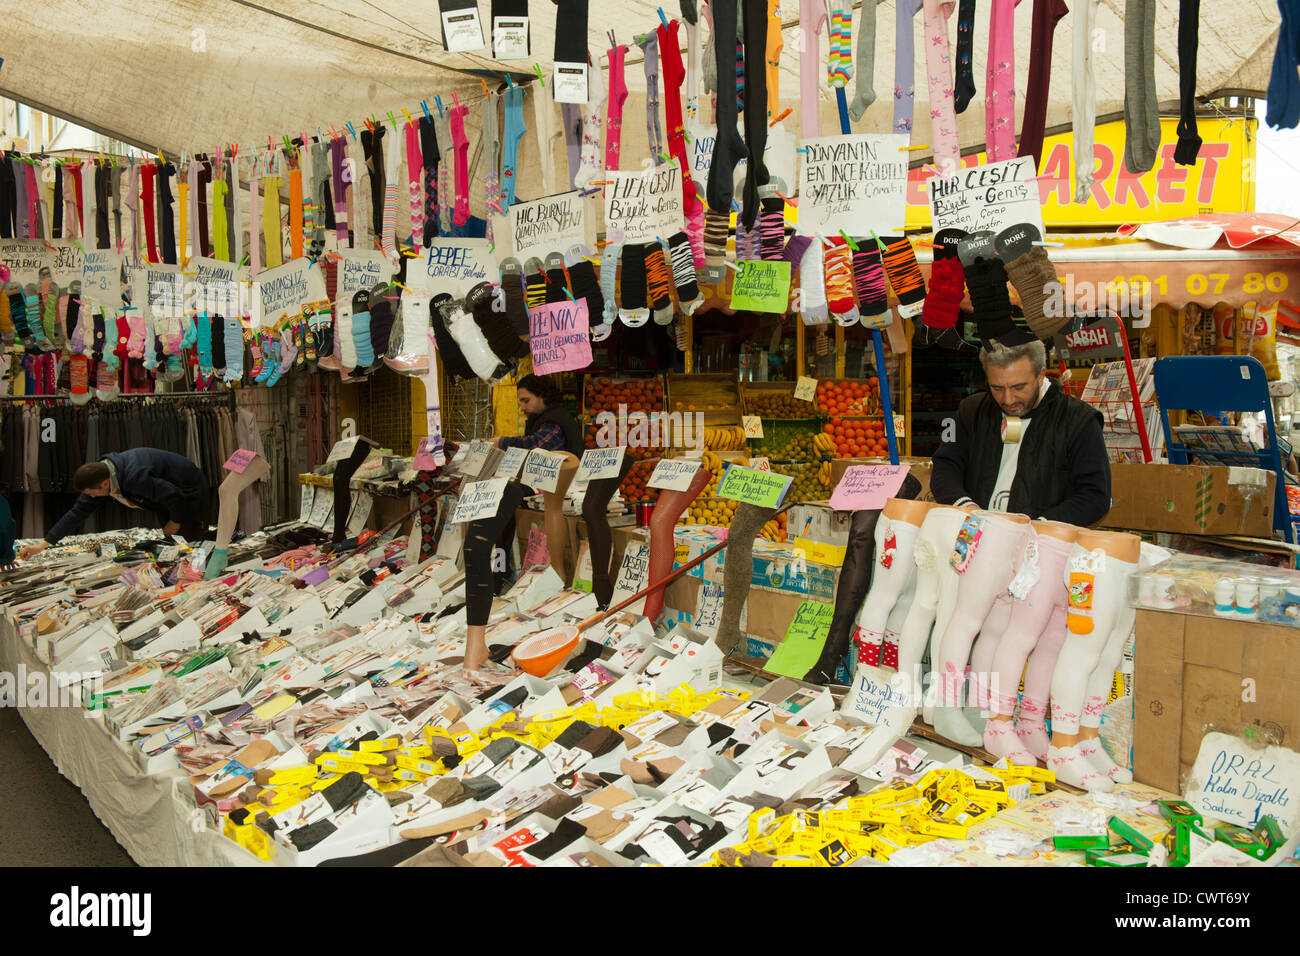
column 1096, row 755
column 1072, row 767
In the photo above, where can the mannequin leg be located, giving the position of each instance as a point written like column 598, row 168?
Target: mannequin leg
column 894, row 623
column 556, row 526
column 933, row 576
column 738, row 571
column 668, row 508
column 894, row 569
column 949, row 587
column 480, row 538
column 1031, row 725
column 343, row 473
column 595, row 505
column 1096, row 598
column 986, row 646
column 228, row 515
column 1099, row 685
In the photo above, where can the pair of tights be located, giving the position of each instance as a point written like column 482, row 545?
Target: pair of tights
column 594, row 512
column 480, row 540
column 668, row 508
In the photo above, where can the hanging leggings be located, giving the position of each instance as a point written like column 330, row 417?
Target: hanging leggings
column 595, row 504
column 480, row 538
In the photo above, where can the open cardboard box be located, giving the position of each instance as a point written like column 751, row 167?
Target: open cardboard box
column 1191, row 499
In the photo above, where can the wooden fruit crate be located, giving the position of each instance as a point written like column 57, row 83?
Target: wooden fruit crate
column 715, row 395
column 752, row 390
column 646, row 399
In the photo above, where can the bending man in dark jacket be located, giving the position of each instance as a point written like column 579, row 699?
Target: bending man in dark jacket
column 160, row 481
column 1024, row 446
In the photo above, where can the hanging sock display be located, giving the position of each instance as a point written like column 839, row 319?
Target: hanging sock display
column 569, row 80
column 513, row 299
column 632, row 281
column 609, row 275
column 510, row 29
column 460, row 141
column 756, row 175
column 839, row 283
column 271, row 221
column 414, row 175
column 904, row 274
column 947, row 289
column 447, row 167
column 869, row 280
column 1000, row 83
column 1283, row 84
column 515, row 130
column 674, row 75
column 659, row 284
column 586, row 284
column 812, row 286
column 964, row 88
column 649, row 44
column 1047, row 14
column 534, row 284
column 728, row 146
column 904, row 68
column 864, row 70
column 771, row 228
column 492, row 178
column 938, row 63
column 543, row 118
column 812, row 20
column 1189, row 26
column 589, row 164
column 1083, row 97
column 1141, row 110
column 429, row 157
column 617, row 97
column 684, row 274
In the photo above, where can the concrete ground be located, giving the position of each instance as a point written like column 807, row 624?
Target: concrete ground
column 44, row 819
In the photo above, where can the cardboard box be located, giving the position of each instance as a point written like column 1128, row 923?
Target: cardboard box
column 1192, row 673
column 1191, row 499
column 779, row 568
column 920, row 470
column 767, row 614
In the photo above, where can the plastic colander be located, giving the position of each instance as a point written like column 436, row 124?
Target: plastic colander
column 543, row 652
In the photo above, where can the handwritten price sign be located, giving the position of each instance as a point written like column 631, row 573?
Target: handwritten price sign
column 600, row 463
column 761, row 286
column 867, row 487
column 673, row 475
column 846, row 182
column 482, row 499
column 764, row 489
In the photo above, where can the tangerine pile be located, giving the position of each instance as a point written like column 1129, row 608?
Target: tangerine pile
column 847, row 398
column 591, row 439
column 633, row 487
column 857, row 437
column 638, row 394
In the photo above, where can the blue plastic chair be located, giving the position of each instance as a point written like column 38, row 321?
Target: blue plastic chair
column 1223, row 383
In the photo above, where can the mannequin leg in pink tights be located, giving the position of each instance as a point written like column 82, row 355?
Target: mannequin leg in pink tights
column 668, row 508
column 1089, row 631
column 894, row 572
column 1031, row 726
column 986, row 646
column 1099, row 685
column 228, row 515
column 987, row 550
column 1028, row 622
column 936, row 584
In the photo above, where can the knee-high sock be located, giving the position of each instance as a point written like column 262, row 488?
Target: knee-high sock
column 668, row 508
column 343, row 473
column 737, row 572
column 554, row 515
column 594, row 512
column 228, row 495
column 755, row 106
column 1141, row 111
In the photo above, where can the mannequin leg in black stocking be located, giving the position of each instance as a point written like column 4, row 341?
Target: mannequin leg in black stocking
column 594, row 512
column 343, row 473
column 480, row 539
column 738, row 570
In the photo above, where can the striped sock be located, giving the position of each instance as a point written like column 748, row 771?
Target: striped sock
column 534, row 283
column 632, row 308
column 869, row 277
column 771, row 227
column 684, row 276
column 839, row 283
column 660, row 283
column 609, row 278
column 904, row 275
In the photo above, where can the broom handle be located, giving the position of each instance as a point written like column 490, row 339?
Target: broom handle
column 673, row 576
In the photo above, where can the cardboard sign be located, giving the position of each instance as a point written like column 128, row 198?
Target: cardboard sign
column 160, row 289
column 481, row 499
column 569, row 83
column 284, row 290
column 849, row 182
column 600, row 463
column 342, row 449
column 753, row 426
column 672, row 474
column 453, row 265
column 101, row 278
column 778, row 156
column 322, row 509
column 511, row 461
column 361, row 271
column 560, row 337
column 239, row 461
column 866, row 487
column 361, row 509
column 473, row 457
column 25, row 259
column 708, row 610
column 308, row 499
column 66, row 261
column 803, row 640
column 806, row 388
column 761, row 286
column 994, row 196
column 214, row 286
column 553, row 224
column 764, row 489
column 542, row 469
column 509, row 37
column 633, row 575
column 1237, row 782
column 761, row 464
column 875, row 694
column 646, row 204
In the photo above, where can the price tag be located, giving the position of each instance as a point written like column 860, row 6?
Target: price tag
column 342, row 450
column 806, row 388
column 761, row 464
column 511, row 462
column 753, row 425
column 425, row 459
column 898, row 426
column 461, row 30
column 322, row 510
column 866, row 487
column 672, row 474
column 600, row 463
column 482, row 499
column 765, row 490
column 542, row 469
column 708, row 609
column 476, row 456
column 509, row 37
column 569, row 83
column 239, row 461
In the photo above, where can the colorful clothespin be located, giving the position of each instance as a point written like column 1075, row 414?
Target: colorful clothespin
column 510, row 81
column 455, row 99
column 537, row 68
column 438, row 100
column 351, row 129
column 662, row 19
column 483, row 83
column 424, row 105
column 852, row 245
column 879, row 244
column 787, row 112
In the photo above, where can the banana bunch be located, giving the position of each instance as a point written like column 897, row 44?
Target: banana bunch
column 824, row 444
column 724, row 438
column 774, row 530
column 824, row 475
column 712, row 462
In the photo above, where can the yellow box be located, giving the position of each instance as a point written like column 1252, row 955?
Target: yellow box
column 357, row 756
column 379, row 746
column 416, row 750
column 938, row 827
column 761, row 823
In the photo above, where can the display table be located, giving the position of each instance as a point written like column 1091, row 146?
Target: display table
column 151, row 816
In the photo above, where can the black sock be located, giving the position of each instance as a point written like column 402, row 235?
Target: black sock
column 343, row 473
column 755, row 106
column 381, row 323
column 586, row 285
column 631, row 279
column 964, row 89
column 728, row 148
column 571, row 31
column 512, row 288
column 218, row 326
column 534, row 284
column 595, row 513
column 556, row 282
column 1189, row 140
column 449, row 6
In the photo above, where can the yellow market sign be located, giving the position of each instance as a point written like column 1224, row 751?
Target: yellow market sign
column 1221, row 181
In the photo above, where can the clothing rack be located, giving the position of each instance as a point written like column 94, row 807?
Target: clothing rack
column 202, row 396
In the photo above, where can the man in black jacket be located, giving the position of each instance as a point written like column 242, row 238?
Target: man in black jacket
column 149, row 478
column 1025, row 446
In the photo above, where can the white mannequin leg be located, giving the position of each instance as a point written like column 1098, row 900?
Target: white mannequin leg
column 986, row 647
column 933, row 545
column 894, row 573
column 894, row 624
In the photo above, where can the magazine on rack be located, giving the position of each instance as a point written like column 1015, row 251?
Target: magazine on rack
column 1108, row 390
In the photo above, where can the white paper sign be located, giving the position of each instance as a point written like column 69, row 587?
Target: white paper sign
column 673, row 475
column 308, row 496
column 1237, row 782
column 600, row 463
column 853, row 183
column 322, row 509
column 806, row 388
column 645, row 204
column 66, row 262
column 361, row 271
column 361, row 509
column 994, row 196
column 342, row 449
column 25, row 259
column 511, row 462
column 101, row 279
column 462, row 30
column 285, row 289
column 213, row 286
column 708, row 609
column 542, row 469
column 633, row 574
column 472, row 457
column 553, row 224
column 509, row 37
column 482, row 499
column 875, row 693
column 569, row 83
column 164, row 293
column 778, row 155
column 454, row 265
column 753, row 425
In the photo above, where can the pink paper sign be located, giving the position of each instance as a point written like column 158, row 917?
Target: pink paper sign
column 426, row 456
column 240, row 460
column 866, row 487
column 561, row 337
